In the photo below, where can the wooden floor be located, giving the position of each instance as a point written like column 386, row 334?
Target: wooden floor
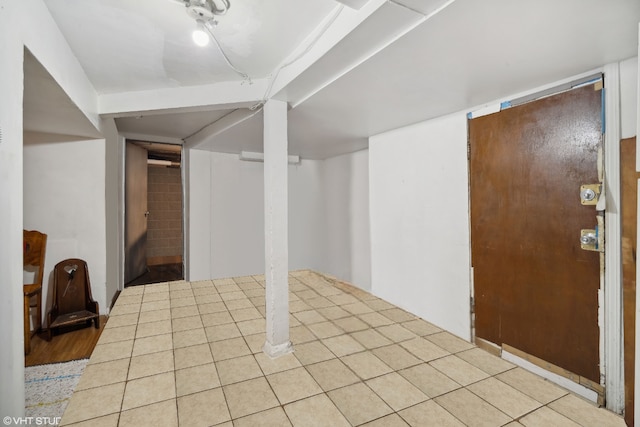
column 73, row 345
column 79, row 344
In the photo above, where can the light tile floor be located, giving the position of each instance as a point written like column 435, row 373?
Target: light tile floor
column 189, row 354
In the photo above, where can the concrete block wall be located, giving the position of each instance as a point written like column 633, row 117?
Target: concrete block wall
column 164, row 225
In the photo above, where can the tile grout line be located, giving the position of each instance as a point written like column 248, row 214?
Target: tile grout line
column 319, row 293
column 173, row 351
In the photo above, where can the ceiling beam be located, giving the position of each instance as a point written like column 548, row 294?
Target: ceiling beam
column 49, row 48
column 151, row 138
column 219, row 126
column 320, row 41
column 223, row 95
column 381, row 28
column 353, row 4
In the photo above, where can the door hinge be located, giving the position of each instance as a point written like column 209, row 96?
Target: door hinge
column 473, row 305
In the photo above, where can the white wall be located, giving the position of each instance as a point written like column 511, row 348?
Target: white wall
column 11, row 335
column 197, row 197
column 24, row 23
column 418, row 174
column 628, row 97
column 328, row 216
column 237, row 216
column 346, row 206
column 307, row 222
column 420, row 220
column 64, row 197
column 226, row 216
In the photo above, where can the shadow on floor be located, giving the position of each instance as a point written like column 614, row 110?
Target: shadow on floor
column 159, row 273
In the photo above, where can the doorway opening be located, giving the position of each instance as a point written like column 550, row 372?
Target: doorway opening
column 154, row 235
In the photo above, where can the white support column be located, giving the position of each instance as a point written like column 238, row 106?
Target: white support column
column 276, row 229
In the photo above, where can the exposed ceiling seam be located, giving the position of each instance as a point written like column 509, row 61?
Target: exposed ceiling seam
column 209, row 124
column 426, row 15
column 219, row 126
column 303, row 53
column 397, row 3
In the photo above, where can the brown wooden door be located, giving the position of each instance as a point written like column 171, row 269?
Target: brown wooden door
column 135, row 230
column 535, row 288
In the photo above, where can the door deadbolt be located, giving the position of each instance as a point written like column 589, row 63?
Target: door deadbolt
column 589, row 240
column 589, row 194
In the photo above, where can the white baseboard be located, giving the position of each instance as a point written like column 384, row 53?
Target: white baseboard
column 576, row 388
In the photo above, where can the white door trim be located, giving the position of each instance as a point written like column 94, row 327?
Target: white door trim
column 612, row 328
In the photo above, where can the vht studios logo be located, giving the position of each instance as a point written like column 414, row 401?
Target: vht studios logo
column 31, row 421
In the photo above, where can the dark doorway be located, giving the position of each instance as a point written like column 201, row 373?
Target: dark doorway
column 163, row 244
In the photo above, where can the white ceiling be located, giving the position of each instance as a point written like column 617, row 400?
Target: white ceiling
column 48, row 110
column 471, row 53
column 394, row 69
column 131, row 45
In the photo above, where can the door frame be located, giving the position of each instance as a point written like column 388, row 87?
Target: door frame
column 610, row 297
column 612, row 336
column 123, row 138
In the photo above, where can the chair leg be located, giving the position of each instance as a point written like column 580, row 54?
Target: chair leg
column 27, row 326
column 37, row 328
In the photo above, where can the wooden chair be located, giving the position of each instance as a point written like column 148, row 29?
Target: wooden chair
column 33, row 254
column 72, row 301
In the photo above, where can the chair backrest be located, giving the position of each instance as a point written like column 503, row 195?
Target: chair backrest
column 72, row 288
column 33, row 254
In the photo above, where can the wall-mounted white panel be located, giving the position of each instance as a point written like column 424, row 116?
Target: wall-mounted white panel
column 420, row 221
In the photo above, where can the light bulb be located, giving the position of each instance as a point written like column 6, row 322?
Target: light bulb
column 200, row 35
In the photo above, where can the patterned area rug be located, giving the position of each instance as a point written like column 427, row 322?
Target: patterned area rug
column 48, row 388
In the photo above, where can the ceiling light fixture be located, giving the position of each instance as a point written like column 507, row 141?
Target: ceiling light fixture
column 205, row 12
column 200, row 35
